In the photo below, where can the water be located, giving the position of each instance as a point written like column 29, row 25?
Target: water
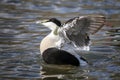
column 20, row 37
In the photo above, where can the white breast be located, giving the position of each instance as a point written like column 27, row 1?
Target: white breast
column 49, row 42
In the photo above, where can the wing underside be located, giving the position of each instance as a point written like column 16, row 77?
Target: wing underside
column 78, row 29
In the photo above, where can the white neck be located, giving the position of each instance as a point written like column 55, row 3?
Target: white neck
column 52, row 26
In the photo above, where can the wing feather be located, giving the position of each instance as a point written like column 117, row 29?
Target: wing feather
column 77, row 30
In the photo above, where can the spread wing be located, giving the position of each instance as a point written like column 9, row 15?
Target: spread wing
column 76, row 30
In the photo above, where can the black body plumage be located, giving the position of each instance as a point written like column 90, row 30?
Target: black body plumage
column 59, row 57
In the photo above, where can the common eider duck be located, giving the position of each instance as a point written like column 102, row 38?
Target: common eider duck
column 64, row 43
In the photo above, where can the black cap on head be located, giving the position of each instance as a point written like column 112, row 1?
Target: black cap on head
column 56, row 21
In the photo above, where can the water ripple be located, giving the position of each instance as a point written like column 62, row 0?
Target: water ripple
column 20, row 38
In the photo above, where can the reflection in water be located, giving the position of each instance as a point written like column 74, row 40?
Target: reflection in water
column 20, row 38
column 63, row 72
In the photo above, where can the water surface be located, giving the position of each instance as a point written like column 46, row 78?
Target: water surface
column 20, row 37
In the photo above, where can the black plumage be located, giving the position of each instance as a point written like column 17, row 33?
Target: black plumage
column 56, row 21
column 59, row 57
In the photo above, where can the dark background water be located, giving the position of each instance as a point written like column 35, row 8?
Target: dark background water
column 20, row 37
